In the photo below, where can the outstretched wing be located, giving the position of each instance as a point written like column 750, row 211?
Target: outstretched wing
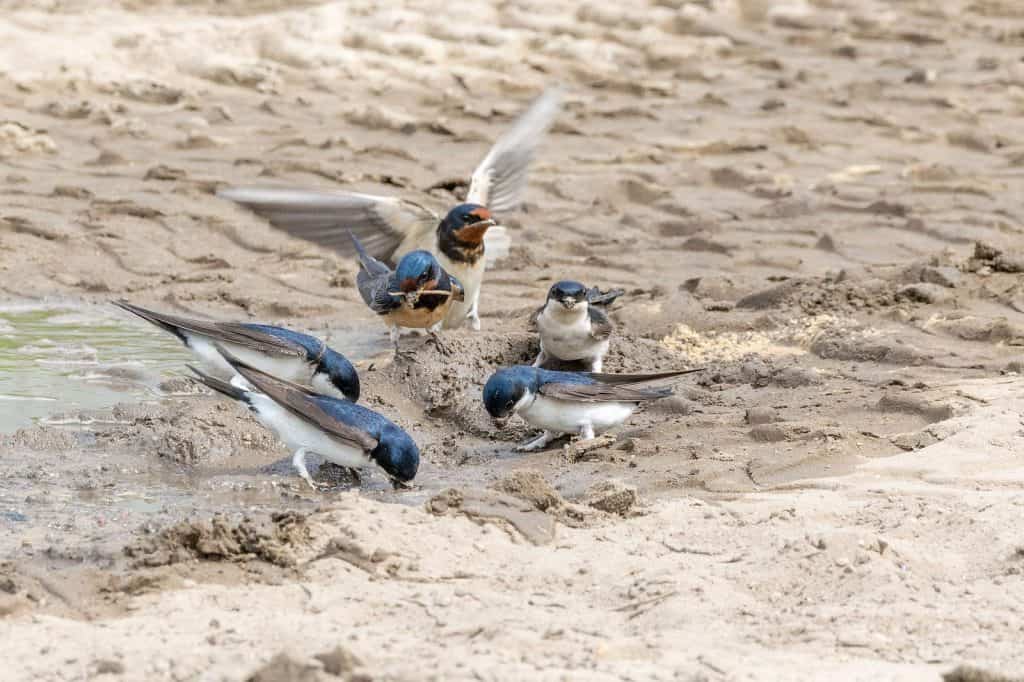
column 326, row 218
column 617, row 388
column 603, row 298
column 499, row 182
column 303, row 403
column 224, row 332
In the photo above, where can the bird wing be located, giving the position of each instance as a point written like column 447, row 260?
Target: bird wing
column 499, row 182
column 326, row 218
column 603, row 298
column 302, row 402
column 374, row 281
column 600, row 326
column 224, row 332
column 616, row 388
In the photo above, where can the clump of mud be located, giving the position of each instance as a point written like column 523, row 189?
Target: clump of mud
column 337, row 664
column 279, row 539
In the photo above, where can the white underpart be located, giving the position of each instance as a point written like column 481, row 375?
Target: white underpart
column 565, row 416
column 288, row 367
column 322, row 384
column 566, row 334
column 298, row 434
column 471, row 277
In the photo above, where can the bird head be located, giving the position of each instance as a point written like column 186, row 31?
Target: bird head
column 506, row 391
column 418, row 271
column 335, row 376
column 568, row 293
column 397, row 454
column 467, row 224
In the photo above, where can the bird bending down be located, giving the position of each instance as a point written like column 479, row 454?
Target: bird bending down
column 417, row 295
column 391, row 227
column 342, row 432
column 299, row 358
column 578, row 403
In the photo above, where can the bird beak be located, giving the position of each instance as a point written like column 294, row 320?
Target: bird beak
column 400, row 485
column 474, row 232
column 501, row 422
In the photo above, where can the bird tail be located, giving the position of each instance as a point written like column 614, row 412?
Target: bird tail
column 152, row 317
column 220, row 386
column 370, row 264
column 603, row 298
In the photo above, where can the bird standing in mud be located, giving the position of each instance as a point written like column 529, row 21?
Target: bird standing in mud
column 578, row 403
column 281, row 352
column 342, row 432
column 417, row 295
column 391, row 227
column 573, row 326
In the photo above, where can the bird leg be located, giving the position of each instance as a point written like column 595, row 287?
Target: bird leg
column 299, row 462
column 396, row 333
column 474, row 316
column 441, row 346
column 542, row 357
column 537, row 443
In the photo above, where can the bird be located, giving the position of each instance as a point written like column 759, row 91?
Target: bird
column 416, row 295
column 573, row 326
column 281, row 352
column 339, row 430
column 579, row 403
column 390, row 227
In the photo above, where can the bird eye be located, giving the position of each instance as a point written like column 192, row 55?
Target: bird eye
column 467, row 217
column 510, row 404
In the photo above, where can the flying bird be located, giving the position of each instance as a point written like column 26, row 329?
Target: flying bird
column 342, row 432
column 573, row 325
column 278, row 351
column 416, row 295
column 578, row 403
column 391, row 227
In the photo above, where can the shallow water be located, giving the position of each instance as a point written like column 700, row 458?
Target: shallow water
column 62, row 359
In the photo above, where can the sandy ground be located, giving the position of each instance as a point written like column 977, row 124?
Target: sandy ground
column 820, row 203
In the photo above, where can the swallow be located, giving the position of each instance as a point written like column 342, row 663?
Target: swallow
column 417, row 295
column 281, row 352
column 392, row 227
column 577, row 403
column 342, row 432
column 573, row 326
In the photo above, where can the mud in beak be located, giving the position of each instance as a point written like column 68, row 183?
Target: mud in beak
column 474, row 232
column 397, row 485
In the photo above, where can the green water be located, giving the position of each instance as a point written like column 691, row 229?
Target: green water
column 55, row 360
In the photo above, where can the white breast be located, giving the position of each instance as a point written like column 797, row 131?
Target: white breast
column 297, row 433
column 565, row 416
column 565, row 334
column 289, row 367
column 471, row 277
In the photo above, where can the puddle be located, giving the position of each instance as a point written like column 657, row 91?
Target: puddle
column 62, row 359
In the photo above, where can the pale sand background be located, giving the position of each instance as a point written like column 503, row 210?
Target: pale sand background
column 791, row 195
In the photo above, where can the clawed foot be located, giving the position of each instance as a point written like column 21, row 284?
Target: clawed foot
column 537, row 443
column 442, row 348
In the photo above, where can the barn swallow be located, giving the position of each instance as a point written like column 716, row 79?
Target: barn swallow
column 290, row 355
column 391, row 227
column 342, row 432
column 573, row 326
column 569, row 402
column 416, row 295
